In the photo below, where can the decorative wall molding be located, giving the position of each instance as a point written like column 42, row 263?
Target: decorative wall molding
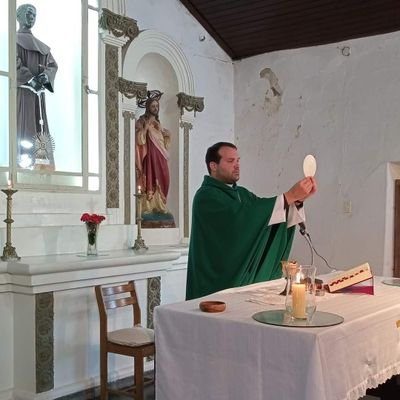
column 128, row 116
column 44, row 341
column 187, row 127
column 112, row 127
column 190, row 103
column 153, row 298
column 118, row 25
column 116, row 6
column 132, row 89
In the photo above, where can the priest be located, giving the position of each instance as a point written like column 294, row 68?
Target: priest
column 238, row 238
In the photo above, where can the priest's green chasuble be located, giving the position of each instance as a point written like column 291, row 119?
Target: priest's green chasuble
column 231, row 243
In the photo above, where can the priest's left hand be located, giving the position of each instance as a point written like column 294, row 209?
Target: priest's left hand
column 301, row 190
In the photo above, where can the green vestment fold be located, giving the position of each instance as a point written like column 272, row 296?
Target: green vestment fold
column 231, row 243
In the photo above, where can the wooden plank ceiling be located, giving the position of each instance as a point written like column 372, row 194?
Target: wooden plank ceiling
column 245, row 28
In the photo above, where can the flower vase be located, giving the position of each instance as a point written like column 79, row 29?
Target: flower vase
column 92, row 230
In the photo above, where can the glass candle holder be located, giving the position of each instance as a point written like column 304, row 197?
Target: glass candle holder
column 288, row 267
column 300, row 297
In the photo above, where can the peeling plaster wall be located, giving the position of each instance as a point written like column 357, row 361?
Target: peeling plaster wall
column 345, row 111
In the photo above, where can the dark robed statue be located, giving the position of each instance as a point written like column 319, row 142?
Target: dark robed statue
column 36, row 70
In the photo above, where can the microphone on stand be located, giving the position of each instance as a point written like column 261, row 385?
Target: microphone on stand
column 303, row 232
column 303, row 229
column 306, row 235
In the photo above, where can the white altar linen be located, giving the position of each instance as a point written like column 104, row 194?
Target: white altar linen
column 230, row 356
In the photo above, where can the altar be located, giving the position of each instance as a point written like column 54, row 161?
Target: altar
column 230, row 356
column 50, row 321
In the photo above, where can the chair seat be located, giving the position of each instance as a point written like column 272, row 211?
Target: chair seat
column 135, row 341
column 136, row 336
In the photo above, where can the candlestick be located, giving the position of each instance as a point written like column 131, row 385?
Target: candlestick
column 139, row 246
column 9, row 252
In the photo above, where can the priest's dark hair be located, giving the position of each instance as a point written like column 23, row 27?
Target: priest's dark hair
column 213, row 155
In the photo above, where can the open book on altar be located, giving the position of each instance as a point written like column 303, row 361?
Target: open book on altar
column 355, row 280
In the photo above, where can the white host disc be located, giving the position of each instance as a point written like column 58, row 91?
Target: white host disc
column 309, row 165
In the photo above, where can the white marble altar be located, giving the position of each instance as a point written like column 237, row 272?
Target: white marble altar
column 49, row 316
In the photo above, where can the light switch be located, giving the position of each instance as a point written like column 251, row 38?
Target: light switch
column 347, row 207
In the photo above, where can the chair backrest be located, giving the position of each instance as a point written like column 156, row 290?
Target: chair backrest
column 110, row 297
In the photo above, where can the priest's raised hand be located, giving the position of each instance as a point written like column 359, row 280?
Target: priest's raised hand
column 301, row 190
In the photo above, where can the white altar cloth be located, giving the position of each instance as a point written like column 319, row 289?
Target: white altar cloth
column 230, row 356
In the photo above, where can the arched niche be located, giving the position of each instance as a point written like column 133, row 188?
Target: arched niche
column 150, row 41
column 158, row 73
column 155, row 59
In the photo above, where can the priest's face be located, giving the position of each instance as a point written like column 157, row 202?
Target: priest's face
column 228, row 168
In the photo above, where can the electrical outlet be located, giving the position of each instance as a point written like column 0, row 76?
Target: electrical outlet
column 347, row 207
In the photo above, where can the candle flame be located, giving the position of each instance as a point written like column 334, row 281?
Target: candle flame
column 139, row 189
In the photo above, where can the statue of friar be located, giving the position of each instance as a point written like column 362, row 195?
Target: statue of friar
column 36, row 71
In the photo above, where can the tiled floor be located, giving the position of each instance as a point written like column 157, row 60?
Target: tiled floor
column 388, row 391
column 148, row 395
column 94, row 393
column 149, row 392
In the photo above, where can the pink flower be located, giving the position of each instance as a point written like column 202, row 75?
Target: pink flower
column 93, row 218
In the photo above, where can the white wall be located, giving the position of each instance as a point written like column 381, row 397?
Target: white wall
column 342, row 109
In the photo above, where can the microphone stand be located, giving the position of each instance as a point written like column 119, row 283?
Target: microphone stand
column 306, row 235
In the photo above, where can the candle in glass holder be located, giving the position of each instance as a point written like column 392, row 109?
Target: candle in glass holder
column 299, row 300
column 139, row 202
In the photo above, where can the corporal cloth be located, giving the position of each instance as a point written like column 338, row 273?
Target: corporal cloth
column 231, row 243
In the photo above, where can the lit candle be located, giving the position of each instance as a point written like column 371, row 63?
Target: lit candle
column 139, row 189
column 299, row 300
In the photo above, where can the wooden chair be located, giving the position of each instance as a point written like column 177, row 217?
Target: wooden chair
column 134, row 341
